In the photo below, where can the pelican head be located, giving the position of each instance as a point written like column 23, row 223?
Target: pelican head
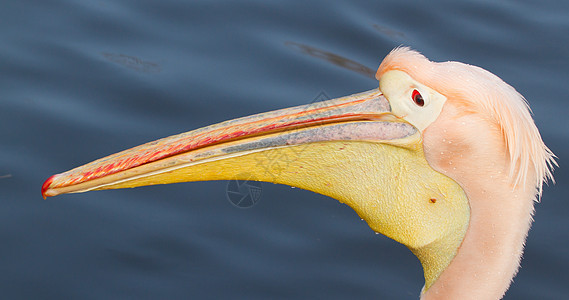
column 443, row 158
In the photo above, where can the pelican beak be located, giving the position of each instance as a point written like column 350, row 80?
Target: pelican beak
column 352, row 149
column 185, row 157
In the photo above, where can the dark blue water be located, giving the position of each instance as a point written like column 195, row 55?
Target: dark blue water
column 83, row 79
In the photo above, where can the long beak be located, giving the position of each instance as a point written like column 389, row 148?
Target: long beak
column 359, row 117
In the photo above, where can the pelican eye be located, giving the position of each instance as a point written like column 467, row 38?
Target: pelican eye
column 417, row 98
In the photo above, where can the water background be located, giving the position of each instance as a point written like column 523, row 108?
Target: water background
column 83, row 79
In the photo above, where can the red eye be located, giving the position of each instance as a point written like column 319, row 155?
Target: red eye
column 417, row 98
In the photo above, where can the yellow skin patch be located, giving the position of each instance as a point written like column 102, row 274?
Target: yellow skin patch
column 396, row 201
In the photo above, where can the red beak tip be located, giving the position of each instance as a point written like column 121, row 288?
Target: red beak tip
column 45, row 187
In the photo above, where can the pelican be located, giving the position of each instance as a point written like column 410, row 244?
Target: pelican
column 443, row 157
